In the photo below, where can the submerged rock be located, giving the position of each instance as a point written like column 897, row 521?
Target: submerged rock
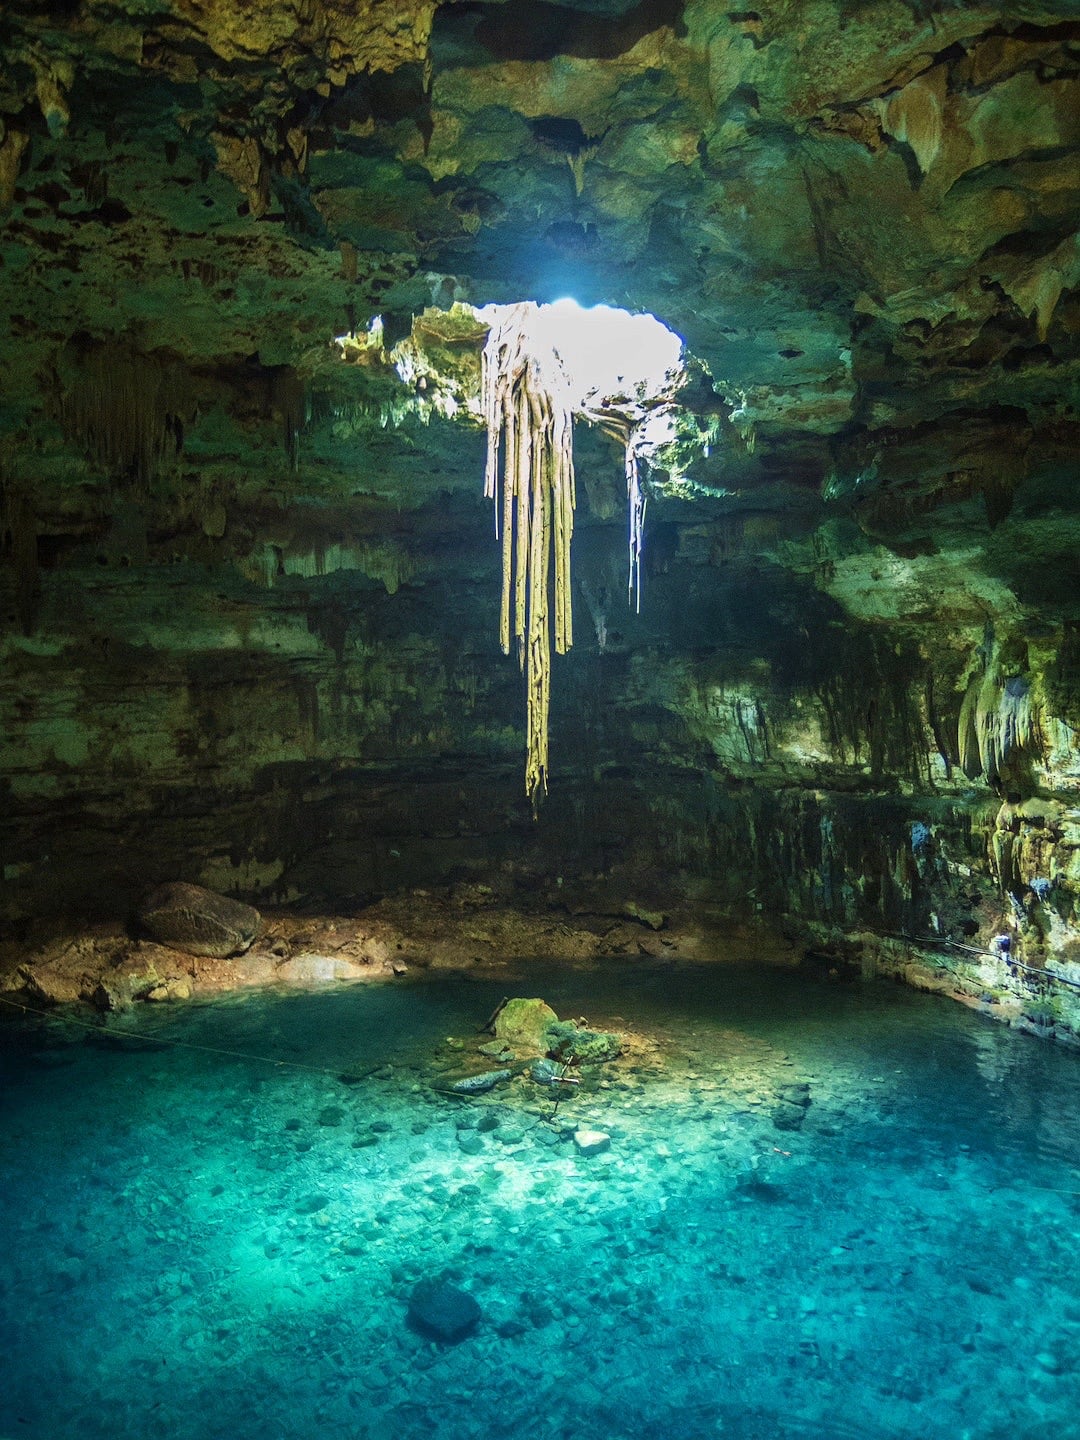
column 793, row 1103
column 497, row 1050
column 197, row 921
column 591, row 1142
column 480, row 1084
column 441, row 1310
column 796, row 1094
column 786, row 1116
column 565, row 1039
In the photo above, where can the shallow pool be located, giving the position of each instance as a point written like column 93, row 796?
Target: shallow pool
column 826, row 1211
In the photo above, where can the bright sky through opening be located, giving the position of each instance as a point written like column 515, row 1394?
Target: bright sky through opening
column 604, row 351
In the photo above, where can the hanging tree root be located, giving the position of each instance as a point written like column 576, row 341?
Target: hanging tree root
column 530, row 429
column 528, row 408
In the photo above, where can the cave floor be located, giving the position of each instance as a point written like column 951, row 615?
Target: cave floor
column 215, row 1230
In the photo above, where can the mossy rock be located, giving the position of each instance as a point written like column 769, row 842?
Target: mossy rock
column 523, row 1024
column 565, row 1039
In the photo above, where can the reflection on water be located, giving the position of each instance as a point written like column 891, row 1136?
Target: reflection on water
column 826, row 1211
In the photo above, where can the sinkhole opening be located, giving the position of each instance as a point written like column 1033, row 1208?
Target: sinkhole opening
column 542, row 367
column 608, row 355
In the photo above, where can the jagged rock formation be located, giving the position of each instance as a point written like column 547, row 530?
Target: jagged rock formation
column 249, row 591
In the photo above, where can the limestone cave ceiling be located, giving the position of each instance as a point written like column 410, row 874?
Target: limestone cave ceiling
column 862, row 218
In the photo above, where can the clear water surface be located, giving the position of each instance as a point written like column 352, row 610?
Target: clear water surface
column 197, row 1245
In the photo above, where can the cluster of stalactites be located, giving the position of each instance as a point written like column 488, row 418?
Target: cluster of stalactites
column 528, row 410
column 997, row 716
column 127, row 410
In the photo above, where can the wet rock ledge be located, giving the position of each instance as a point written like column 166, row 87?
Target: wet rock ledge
column 185, row 944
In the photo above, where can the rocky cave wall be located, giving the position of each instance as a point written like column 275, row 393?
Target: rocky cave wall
column 249, row 600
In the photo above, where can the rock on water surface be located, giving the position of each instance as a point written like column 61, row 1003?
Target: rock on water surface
column 189, row 918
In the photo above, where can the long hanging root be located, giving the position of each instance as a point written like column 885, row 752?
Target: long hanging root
column 521, row 474
column 538, row 663
column 508, row 536
column 529, row 404
column 636, row 510
column 563, row 494
column 536, row 510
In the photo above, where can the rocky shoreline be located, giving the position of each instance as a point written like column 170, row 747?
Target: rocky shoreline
column 469, row 929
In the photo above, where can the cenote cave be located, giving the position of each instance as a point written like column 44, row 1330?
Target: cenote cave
column 539, row 720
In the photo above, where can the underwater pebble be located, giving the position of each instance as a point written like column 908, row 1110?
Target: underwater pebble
column 331, row 1115
column 470, row 1142
column 311, row 1204
column 591, row 1142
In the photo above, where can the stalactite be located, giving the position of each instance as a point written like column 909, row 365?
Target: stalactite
column 997, row 717
column 127, row 411
column 12, row 145
column 19, row 537
column 290, row 404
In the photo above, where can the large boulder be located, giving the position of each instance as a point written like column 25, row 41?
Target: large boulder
column 189, row 918
column 522, row 1025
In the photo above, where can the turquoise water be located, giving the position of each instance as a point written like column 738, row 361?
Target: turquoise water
column 198, row 1245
